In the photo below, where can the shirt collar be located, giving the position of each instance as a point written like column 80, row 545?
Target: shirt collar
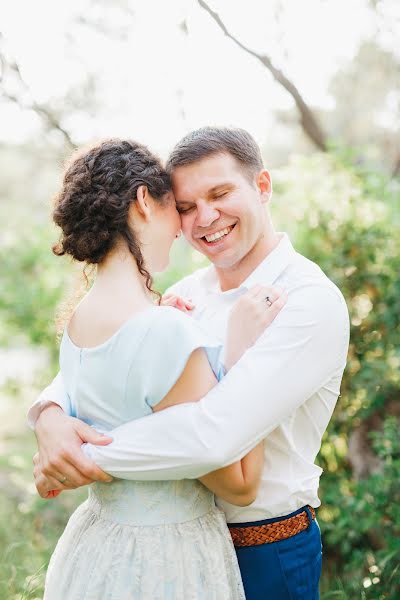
column 267, row 272
column 273, row 265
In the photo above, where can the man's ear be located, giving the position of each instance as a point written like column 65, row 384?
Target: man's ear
column 143, row 203
column 264, row 184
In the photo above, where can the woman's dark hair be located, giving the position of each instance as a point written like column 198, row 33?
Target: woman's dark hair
column 92, row 207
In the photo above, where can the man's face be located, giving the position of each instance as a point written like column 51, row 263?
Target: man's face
column 221, row 210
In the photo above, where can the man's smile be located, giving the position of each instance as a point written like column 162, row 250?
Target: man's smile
column 216, row 237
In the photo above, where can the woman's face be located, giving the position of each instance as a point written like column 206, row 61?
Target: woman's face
column 162, row 230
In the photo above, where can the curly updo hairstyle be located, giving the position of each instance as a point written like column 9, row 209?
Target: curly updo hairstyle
column 98, row 187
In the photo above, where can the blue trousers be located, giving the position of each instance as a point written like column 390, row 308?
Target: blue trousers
column 285, row 570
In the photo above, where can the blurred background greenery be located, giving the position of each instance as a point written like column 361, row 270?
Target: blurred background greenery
column 320, row 92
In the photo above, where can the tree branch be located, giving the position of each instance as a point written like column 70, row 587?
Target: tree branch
column 50, row 119
column 308, row 120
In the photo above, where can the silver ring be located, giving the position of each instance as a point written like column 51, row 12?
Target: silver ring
column 63, row 480
column 267, row 299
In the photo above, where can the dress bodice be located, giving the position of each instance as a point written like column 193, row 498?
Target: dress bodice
column 121, row 380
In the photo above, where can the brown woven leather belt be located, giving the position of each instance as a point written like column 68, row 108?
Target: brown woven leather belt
column 271, row 532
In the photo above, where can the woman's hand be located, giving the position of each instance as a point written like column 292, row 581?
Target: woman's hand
column 249, row 318
column 177, row 302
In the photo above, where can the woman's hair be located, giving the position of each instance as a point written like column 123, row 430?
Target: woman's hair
column 92, row 206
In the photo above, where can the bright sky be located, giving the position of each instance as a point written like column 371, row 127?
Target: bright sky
column 156, row 82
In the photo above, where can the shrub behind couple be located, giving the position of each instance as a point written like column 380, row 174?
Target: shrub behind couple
column 154, row 531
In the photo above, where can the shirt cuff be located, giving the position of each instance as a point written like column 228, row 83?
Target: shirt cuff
column 36, row 409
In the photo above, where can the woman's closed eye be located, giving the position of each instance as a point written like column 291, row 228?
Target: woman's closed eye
column 184, row 208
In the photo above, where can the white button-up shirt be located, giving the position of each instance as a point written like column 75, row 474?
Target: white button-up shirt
column 282, row 390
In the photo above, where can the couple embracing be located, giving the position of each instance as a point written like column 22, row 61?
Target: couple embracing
column 196, row 418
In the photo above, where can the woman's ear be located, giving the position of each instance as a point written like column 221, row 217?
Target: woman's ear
column 143, row 203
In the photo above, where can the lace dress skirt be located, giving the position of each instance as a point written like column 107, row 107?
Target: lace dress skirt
column 145, row 541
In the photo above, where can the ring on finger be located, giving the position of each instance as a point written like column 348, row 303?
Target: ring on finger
column 267, row 299
column 63, row 480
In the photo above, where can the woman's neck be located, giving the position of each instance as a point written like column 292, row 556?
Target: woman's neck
column 118, row 276
column 118, row 293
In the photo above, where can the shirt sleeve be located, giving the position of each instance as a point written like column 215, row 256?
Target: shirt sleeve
column 55, row 392
column 297, row 355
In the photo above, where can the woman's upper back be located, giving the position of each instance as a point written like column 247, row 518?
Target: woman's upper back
column 128, row 374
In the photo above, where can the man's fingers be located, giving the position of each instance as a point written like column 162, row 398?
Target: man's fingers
column 87, row 468
column 45, row 484
column 52, row 494
column 77, row 478
column 90, row 435
column 70, row 478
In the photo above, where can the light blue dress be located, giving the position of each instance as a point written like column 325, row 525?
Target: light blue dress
column 139, row 540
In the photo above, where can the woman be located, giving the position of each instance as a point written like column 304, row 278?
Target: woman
column 122, row 356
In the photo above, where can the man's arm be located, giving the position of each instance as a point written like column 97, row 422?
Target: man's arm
column 305, row 346
column 53, row 472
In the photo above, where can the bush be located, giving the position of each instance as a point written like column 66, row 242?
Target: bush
column 346, row 220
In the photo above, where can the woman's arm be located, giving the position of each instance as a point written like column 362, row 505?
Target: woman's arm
column 237, row 483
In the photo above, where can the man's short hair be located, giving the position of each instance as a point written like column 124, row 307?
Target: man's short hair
column 209, row 141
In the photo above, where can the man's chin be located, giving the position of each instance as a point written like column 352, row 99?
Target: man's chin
column 224, row 262
column 220, row 261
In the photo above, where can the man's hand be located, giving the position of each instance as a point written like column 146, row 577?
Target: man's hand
column 60, row 463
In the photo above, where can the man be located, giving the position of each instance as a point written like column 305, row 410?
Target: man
column 284, row 388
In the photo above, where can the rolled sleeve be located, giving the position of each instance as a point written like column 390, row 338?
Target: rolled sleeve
column 53, row 393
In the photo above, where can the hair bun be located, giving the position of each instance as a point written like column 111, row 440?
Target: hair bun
column 93, row 204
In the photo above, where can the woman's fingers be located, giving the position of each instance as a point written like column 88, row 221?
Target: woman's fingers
column 272, row 293
column 177, row 302
column 277, row 305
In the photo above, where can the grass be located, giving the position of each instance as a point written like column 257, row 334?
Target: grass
column 29, row 526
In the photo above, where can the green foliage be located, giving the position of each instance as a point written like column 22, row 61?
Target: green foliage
column 346, row 220
column 32, row 284
column 361, row 525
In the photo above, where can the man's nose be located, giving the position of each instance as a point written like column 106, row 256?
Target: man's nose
column 206, row 214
